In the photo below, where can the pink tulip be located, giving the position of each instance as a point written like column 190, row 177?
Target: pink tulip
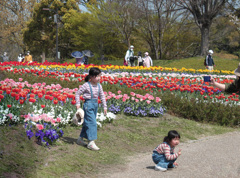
column 144, row 97
column 39, row 126
column 150, row 97
column 118, row 97
column 20, row 79
column 132, row 93
column 119, row 92
column 148, row 101
column 53, row 121
column 147, row 95
column 136, row 100
column 158, row 99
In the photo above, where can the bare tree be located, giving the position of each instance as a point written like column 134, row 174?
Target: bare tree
column 13, row 17
column 159, row 17
column 203, row 11
column 121, row 15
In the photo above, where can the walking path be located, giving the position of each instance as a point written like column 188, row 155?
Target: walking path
column 215, row 156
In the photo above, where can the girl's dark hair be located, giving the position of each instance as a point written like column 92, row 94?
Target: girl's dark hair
column 140, row 53
column 171, row 135
column 93, row 72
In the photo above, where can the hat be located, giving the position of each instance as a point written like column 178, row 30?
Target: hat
column 78, row 117
column 131, row 46
column 210, row 51
column 146, row 53
column 237, row 71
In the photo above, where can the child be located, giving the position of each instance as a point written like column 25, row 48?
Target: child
column 140, row 59
column 163, row 155
column 90, row 91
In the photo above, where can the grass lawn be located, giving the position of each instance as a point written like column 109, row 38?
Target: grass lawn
column 127, row 135
column 222, row 62
column 124, row 137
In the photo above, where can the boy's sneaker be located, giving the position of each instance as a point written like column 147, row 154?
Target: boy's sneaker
column 81, row 142
column 92, row 146
column 158, row 168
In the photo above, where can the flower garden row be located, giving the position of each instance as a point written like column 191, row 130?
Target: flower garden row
column 66, row 67
column 180, row 83
column 49, row 107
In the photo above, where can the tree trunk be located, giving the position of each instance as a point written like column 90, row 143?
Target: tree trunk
column 204, row 40
column 43, row 57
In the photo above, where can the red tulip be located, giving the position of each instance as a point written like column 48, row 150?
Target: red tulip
column 33, row 100
column 1, row 96
column 73, row 102
column 21, row 101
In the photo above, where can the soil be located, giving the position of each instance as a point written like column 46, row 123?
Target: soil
column 214, row 156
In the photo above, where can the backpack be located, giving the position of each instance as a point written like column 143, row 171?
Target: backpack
column 205, row 62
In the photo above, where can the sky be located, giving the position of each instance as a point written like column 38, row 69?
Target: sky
column 82, row 8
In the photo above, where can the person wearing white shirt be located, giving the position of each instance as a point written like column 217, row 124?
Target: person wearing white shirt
column 130, row 55
column 20, row 57
column 147, row 60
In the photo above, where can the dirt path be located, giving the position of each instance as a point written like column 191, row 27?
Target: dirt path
column 216, row 156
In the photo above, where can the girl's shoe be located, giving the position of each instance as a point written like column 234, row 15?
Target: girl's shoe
column 92, row 146
column 158, row 168
column 81, row 142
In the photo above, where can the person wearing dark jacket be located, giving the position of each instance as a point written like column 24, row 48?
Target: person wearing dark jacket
column 209, row 60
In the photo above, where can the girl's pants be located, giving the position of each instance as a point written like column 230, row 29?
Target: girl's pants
column 160, row 160
column 89, row 129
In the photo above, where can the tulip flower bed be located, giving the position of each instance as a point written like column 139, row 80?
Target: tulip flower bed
column 53, row 68
column 57, row 102
column 159, row 82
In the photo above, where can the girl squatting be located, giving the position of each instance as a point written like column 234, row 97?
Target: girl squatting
column 163, row 155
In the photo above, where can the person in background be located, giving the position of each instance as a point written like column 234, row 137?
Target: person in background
column 140, row 59
column 90, row 91
column 28, row 57
column 130, row 54
column 85, row 60
column 147, row 60
column 5, row 57
column 209, row 60
column 80, row 60
column 163, row 155
column 20, row 57
column 229, row 88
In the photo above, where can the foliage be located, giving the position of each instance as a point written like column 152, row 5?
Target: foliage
column 13, row 15
column 203, row 14
column 202, row 112
column 40, row 34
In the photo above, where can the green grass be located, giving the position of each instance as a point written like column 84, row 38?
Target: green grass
column 124, row 137
column 222, row 62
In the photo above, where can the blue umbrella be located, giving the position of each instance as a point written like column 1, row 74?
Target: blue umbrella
column 77, row 54
column 88, row 53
